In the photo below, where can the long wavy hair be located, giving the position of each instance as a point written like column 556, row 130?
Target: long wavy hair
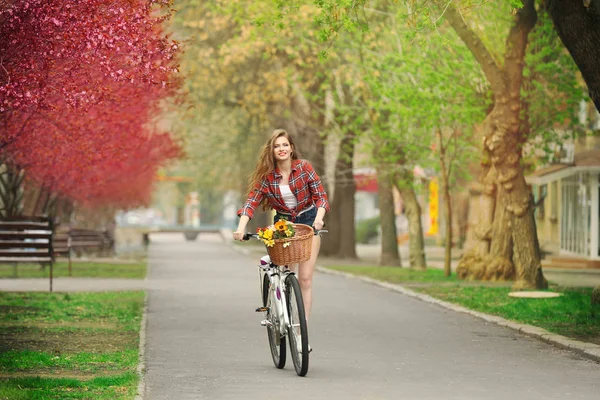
column 266, row 162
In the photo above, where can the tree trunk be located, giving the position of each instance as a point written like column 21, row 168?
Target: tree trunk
column 416, row 242
column 11, row 191
column 448, row 245
column 447, row 205
column 578, row 26
column 389, row 237
column 341, row 240
column 507, row 248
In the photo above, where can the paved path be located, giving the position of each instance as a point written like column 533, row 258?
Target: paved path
column 204, row 341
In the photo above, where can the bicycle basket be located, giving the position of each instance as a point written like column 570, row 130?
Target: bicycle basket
column 299, row 249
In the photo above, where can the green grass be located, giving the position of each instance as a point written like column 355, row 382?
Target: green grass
column 14, row 360
column 569, row 315
column 122, row 386
column 79, row 269
column 396, row 275
column 122, row 308
column 69, row 346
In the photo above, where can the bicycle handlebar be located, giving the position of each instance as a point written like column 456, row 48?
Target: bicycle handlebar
column 247, row 236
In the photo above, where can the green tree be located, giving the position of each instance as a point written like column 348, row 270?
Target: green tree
column 507, row 239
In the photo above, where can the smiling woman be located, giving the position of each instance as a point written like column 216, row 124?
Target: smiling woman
column 289, row 185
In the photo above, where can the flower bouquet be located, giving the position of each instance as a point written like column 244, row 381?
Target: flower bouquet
column 282, row 229
column 287, row 243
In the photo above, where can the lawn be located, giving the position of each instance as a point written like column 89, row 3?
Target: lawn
column 569, row 315
column 397, row 275
column 69, row 346
column 80, row 269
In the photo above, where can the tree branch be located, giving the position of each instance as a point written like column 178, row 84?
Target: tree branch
column 516, row 44
column 492, row 71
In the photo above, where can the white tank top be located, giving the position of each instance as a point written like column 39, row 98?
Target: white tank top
column 288, row 196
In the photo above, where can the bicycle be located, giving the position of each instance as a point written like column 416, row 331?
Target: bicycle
column 283, row 308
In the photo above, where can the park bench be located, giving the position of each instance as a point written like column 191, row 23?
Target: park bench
column 27, row 240
column 78, row 240
column 86, row 239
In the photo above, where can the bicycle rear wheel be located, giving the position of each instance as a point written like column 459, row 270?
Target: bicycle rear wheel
column 276, row 341
column 298, row 329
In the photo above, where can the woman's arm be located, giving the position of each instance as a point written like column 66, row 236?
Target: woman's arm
column 247, row 211
column 318, row 224
column 241, row 229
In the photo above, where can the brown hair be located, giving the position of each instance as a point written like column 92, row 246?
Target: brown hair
column 266, row 161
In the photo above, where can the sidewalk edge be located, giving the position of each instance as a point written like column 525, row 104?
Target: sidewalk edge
column 588, row 350
column 141, row 368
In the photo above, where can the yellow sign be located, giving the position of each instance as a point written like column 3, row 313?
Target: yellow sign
column 433, row 207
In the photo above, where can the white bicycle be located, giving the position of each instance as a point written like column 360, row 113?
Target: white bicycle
column 283, row 308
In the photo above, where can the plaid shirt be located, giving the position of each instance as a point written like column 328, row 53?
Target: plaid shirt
column 304, row 183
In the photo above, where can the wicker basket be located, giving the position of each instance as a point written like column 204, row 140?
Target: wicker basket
column 299, row 249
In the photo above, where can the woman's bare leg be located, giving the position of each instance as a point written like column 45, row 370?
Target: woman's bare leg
column 305, row 275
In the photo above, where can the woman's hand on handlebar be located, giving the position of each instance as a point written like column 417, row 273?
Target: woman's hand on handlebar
column 318, row 224
column 237, row 235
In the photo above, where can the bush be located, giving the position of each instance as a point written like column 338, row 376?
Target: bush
column 367, row 230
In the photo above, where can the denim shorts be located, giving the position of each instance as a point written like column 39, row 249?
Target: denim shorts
column 306, row 218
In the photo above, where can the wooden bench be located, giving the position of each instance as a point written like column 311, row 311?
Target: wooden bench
column 85, row 239
column 76, row 240
column 27, row 240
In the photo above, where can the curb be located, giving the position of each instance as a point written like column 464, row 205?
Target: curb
column 141, row 368
column 588, row 350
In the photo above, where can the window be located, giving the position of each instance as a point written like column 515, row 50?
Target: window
column 539, row 199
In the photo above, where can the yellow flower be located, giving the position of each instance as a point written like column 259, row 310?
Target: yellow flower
column 270, row 243
column 288, row 233
column 267, row 234
column 281, row 225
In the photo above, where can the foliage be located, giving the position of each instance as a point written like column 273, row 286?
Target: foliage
column 247, row 70
column 367, row 230
column 551, row 93
column 282, row 229
column 81, row 86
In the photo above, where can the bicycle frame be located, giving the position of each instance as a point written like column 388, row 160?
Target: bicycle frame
column 277, row 276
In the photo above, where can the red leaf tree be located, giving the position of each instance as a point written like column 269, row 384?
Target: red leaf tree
column 81, row 83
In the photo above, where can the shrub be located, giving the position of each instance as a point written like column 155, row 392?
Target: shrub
column 367, row 230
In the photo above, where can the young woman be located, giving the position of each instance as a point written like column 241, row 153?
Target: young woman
column 292, row 188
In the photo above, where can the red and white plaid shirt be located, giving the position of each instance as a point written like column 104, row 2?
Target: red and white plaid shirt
column 304, row 183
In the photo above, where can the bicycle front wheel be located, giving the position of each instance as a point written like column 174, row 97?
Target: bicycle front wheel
column 298, row 329
column 276, row 340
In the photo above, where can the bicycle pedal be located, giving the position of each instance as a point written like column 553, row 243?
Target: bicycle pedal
column 265, row 322
column 262, row 309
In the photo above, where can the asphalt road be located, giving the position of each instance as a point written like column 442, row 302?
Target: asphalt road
column 204, row 341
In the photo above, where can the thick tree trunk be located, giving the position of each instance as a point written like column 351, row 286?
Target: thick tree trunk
column 507, row 239
column 577, row 23
column 416, row 242
column 508, row 247
column 389, row 238
column 341, row 240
